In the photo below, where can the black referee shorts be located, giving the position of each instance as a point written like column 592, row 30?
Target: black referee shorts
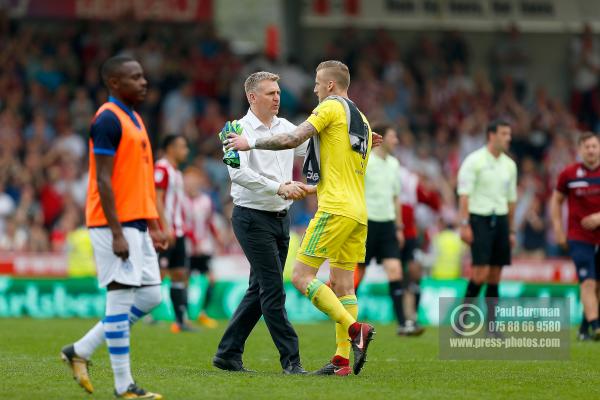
column 173, row 257
column 381, row 241
column 491, row 240
column 200, row 263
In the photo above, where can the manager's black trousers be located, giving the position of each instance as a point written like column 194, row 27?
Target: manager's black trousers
column 264, row 237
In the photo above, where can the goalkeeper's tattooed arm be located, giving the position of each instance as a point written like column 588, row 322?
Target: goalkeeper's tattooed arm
column 302, row 133
column 283, row 141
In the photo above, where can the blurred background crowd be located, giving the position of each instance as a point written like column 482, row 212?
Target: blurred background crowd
column 50, row 88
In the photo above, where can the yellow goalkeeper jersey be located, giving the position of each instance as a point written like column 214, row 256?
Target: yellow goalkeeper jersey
column 341, row 187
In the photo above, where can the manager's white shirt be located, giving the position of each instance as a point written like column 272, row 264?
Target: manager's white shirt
column 255, row 183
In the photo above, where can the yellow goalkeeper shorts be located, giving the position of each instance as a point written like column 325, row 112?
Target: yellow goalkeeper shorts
column 340, row 239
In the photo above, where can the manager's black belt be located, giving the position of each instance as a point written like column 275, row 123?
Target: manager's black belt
column 491, row 219
column 276, row 214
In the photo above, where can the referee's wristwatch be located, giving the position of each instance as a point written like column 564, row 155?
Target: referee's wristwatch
column 464, row 222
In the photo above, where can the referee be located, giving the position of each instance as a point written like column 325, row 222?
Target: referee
column 385, row 237
column 487, row 189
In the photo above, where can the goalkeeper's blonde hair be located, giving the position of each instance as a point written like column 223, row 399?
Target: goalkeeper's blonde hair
column 336, row 71
column 254, row 79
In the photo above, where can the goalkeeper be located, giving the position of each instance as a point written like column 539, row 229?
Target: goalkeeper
column 262, row 192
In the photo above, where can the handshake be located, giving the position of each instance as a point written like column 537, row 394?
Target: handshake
column 294, row 190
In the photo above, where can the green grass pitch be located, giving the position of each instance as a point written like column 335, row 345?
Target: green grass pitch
column 179, row 367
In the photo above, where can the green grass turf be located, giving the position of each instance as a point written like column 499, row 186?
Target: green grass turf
column 179, row 367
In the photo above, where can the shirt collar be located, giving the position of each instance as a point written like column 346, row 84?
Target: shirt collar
column 256, row 123
column 126, row 109
column 587, row 169
column 490, row 155
column 384, row 158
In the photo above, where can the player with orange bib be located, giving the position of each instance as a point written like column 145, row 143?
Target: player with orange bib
column 123, row 223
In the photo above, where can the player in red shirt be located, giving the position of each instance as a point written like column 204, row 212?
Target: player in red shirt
column 202, row 236
column 579, row 184
column 169, row 202
column 414, row 192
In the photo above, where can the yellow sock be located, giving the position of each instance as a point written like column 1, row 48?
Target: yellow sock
column 342, row 339
column 325, row 300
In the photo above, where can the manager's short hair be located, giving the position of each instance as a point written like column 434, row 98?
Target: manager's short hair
column 254, row 79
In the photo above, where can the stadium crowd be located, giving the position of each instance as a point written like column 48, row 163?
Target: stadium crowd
column 50, row 88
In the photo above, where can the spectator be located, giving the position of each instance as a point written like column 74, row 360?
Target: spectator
column 68, row 222
column 212, row 120
column 38, row 237
column 13, row 237
column 511, row 60
column 81, row 110
column 585, row 67
column 366, row 89
column 425, row 61
column 7, row 205
column 178, row 108
column 40, row 128
column 459, row 81
column 67, row 142
column 533, row 228
column 294, row 83
column 48, row 75
column 454, row 48
column 51, row 200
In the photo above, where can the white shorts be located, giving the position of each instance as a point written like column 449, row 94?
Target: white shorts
column 141, row 268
